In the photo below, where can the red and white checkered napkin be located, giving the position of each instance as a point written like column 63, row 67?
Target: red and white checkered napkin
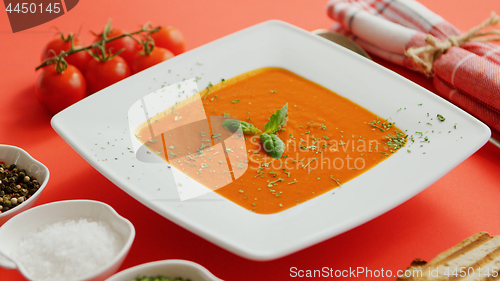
column 468, row 76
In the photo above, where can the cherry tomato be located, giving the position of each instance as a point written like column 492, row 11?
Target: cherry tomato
column 78, row 59
column 56, row 91
column 126, row 43
column 156, row 56
column 101, row 74
column 170, row 38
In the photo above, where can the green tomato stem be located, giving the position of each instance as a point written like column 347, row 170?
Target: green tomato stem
column 98, row 44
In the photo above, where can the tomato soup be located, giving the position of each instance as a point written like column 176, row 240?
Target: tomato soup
column 328, row 140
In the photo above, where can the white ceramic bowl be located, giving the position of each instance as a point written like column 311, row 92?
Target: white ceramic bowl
column 278, row 44
column 15, row 155
column 31, row 220
column 170, row 268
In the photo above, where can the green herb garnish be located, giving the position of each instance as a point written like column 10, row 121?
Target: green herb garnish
column 273, row 145
column 440, row 117
column 397, row 141
column 277, row 120
column 208, row 89
column 271, row 184
column 232, row 125
column 309, row 162
column 335, row 180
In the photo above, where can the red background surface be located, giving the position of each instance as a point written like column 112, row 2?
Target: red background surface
column 463, row 202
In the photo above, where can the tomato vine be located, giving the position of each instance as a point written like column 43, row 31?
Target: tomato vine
column 59, row 60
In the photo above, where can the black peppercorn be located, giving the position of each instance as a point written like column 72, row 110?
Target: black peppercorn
column 8, row 190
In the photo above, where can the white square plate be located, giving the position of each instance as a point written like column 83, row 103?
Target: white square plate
column 97, row 129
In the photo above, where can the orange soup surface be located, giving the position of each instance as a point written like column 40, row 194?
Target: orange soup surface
column 328, row 140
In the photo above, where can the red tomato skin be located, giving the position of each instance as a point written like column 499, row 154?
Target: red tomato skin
column 78, row 59
column 56, row 91
column 103, row 74
column 156, row 56
column 170, row 38
column 126, row 43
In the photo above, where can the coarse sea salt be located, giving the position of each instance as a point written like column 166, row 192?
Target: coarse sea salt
column 68, row 250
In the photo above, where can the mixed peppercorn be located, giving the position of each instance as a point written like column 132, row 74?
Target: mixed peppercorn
column 15, row 186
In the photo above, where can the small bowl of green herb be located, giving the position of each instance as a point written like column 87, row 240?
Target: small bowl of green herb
column 165, row 270
column 22, row 180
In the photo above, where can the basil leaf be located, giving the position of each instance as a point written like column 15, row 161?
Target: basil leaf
column 272, row 145
column 276, row 120
column 232, row 125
